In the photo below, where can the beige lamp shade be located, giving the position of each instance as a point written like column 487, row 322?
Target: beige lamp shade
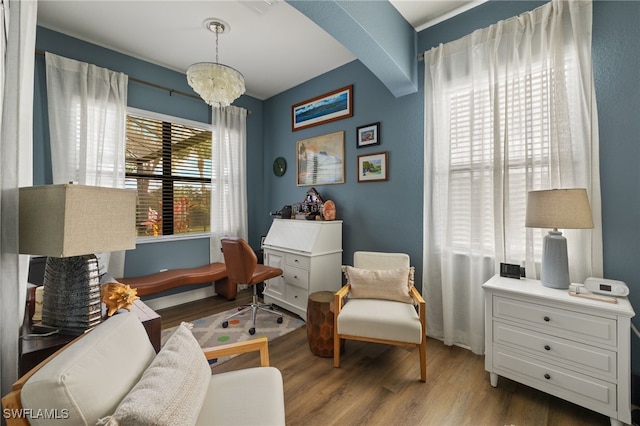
column 559, row 209
column 73, row 220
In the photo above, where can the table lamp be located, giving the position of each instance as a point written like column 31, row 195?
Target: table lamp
column 68, row 224
column 557, row 208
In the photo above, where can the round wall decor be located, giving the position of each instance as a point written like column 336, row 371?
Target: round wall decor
column 279, row 166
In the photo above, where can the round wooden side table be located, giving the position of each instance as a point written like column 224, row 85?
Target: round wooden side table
column 320, row 323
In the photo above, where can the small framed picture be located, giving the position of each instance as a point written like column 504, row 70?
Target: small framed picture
column 368, row 135
column 373, row 167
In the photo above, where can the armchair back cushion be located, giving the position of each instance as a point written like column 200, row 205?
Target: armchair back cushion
column 386, row 284
column 378, row 275
column 88, row 381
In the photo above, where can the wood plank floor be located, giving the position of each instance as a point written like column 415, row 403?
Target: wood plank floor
column 379, row 385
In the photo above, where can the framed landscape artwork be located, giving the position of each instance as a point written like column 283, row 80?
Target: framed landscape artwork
column 373, row 167
column 331, row 106
column 320, row 160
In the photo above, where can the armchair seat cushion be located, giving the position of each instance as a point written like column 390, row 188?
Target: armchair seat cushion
column 260, row 403
column 380, row 319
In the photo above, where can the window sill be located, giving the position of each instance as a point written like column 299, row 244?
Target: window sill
column 168, row 238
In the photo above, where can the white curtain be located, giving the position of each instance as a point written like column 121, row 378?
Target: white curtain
column 228, row 177
column 508, row 109
column 87, row 123
column 17, row 44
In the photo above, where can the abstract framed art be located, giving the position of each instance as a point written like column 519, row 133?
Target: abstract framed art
column 320, row 160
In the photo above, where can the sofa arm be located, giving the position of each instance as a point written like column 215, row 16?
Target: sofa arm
column 259, row 344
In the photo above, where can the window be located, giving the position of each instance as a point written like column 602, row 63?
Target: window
column 526, row 131
column 168, row 163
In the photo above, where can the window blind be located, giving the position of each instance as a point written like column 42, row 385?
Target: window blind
column 169, row 165
column 522, row 140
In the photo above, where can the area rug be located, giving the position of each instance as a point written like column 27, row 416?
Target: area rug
column 209, row 332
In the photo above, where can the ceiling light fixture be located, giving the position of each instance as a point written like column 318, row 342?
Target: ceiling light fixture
column 217, row 84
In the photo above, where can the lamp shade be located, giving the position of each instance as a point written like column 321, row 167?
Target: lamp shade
column 559, row 209
column 73, row 220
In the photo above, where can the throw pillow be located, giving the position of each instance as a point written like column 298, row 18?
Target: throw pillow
column 172, row 389
column 387, row 284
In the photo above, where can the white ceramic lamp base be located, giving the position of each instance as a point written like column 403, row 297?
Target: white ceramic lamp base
column 555, row 264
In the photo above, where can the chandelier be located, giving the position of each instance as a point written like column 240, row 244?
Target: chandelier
column 217, row 84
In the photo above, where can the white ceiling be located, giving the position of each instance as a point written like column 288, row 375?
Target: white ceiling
column 273, row 45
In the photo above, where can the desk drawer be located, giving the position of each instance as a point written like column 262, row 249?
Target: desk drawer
column 298, row 261
column 296, row 277
column 559, row 322
column 297, row 297
column 580, row 357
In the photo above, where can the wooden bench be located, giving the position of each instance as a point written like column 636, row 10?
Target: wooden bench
column 173, row 278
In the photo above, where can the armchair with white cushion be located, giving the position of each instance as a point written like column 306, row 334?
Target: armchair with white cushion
column 112, row 376
column 380, row 304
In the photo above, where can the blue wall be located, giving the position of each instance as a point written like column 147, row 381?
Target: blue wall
column 388, row 215
column 384, row 216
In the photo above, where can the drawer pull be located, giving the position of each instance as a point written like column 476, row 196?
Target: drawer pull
column 547, row 347
column 547, row 376
column 296, row 260
column 295, row 276
column 546, row 318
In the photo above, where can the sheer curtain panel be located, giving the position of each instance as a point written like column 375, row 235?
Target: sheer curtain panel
column 17, row 44
column 87, row 122
column 508, row 109
column 228, row 177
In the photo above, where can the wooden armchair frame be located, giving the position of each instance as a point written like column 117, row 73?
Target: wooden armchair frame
column 12, row 400
column 339, row 301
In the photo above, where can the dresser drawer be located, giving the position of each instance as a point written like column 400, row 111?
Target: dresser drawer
column 298, row 261
column 559, row 322
column 596, row 394
column 579, row 356
column 296, row 276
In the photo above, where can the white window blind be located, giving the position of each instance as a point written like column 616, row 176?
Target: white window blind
column 168, row 162
column 526, row 132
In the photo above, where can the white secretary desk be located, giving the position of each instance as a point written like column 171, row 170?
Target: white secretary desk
column 310, row 254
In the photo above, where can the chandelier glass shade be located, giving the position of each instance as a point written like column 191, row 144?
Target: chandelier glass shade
column 217, row 84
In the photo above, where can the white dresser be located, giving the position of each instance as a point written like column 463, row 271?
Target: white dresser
column 310, row 254
column 574, row 348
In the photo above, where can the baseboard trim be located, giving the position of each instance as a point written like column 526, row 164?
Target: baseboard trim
column 176, row 299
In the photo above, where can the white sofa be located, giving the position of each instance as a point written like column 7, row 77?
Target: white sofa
column 113, row 376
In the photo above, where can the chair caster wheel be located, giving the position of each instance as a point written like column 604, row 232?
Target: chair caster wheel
column 252, row 331
column 225, row 324
column 279, row 320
